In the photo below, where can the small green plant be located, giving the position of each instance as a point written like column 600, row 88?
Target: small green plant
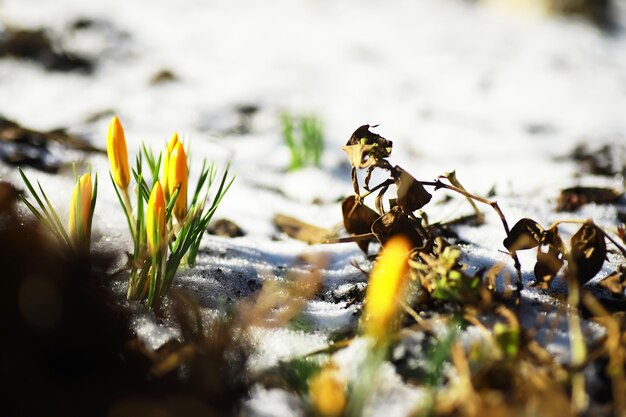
column 165, row 230
column 304, row 137
column 443, row 278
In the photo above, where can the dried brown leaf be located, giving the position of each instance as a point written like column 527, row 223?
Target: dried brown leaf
column 411, row 193
column 548, row 265
column 21, row 146
column 300, row 230
column 588, row 252
column 359, row 155
column 358, row 218
column 553, row 237
column 365, row 148
column 395, row 222
column 363, row 135
column 368, row 177
column 575, row 197
column 378, row 203
column 491, row 275
column 615, row 282
column 526, row 234
column 225, row 228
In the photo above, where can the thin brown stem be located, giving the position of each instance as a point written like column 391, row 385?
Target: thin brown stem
column 355, row 238
column 613, row 349
column 379, row 200
column 614, row 242
column 569, row 221
column 420, row 228
column 385, row 183
column 424, row 325
column 355, row 181
column 581, row 221
column 451, row 176
column 578, row 347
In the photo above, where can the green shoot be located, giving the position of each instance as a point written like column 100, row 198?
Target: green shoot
column 304, row 137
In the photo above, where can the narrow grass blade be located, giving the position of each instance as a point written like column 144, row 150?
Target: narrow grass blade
column 124, row 208
column 171, row 204
column 55, row 217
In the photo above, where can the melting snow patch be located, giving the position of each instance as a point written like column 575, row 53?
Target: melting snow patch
column 274, row 345
column 152, row 334
column 272, row 403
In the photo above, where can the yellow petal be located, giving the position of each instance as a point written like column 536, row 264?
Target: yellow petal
column 85, row 186
column 168, row 152
column 327, row 392
column 155, row 220
column 386, row 287
column 118, row 154
column 178, row 174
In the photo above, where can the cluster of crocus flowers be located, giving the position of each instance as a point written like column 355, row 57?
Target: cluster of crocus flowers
column 386, row 289
column 159, row 245
column 146, row 220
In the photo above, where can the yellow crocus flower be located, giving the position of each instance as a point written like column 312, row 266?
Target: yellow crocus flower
column 80, row 211
column 118, row 154
column 178, row 174
column 166, row 161
column 155, row 220
column 327, row 392
column 386, row 288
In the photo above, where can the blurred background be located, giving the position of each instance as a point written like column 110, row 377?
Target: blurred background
column 503, row 91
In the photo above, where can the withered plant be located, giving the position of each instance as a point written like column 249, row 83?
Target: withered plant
column 369, row 151
column 514, row 376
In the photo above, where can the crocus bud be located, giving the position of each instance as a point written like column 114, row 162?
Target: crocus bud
column 155, row 220
column 178, row 174
column 327, row 392
column 118, row 154
column 80, row 209
column 166, row 161
column 386, row 288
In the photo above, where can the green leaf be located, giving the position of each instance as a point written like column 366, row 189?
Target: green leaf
column 55, row 217
column 124, row 208
column 170, row 204
column 40, row 217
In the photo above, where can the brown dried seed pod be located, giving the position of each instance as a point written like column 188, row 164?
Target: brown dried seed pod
column 588, row 252
column 548, row 265
column 411, row 193
column 358, row 218
column 526, row 234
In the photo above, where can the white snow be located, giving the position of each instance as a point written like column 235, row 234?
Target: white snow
column 498, row 97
